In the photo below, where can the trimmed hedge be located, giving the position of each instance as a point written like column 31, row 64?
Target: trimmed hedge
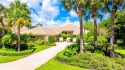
column 5, row 53
column 90, row 60
column 61, row 57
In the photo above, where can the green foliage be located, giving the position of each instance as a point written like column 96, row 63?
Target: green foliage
column 71, row 50
column 40, row 42
column 95, row 61
column 5, row 59
column 92, row 61
column 51, row 39
column 88, row 25
column 102, row 41
column 51, row 43
column 6, row 39
column 9, row 53
column 60, row 56
column 23, row 38
column 88, row 47
column 53, row 64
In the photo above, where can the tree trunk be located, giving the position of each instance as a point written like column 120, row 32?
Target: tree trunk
column 79, row 11
column 18, row 48
column 95, row 30
column 3, row 33
column 112, row 53
column 81, row 34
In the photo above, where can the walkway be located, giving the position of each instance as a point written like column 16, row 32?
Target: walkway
column 33, row 61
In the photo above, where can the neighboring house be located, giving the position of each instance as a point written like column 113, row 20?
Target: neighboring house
column 44, row 33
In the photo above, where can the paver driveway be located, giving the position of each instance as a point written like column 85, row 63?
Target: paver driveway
column 33, row 61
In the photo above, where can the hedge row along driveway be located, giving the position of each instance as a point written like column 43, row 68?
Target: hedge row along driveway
column 33, row 61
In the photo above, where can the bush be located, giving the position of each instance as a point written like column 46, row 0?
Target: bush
column 8, row 53
column 51, row 43
column 62, row 57
column 95, row 61
column 90, row 60
column 51, row 39
column 40, row 42
column 71, row 50
column 88, row 47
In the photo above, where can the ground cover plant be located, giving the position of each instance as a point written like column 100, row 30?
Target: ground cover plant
column 53, row 64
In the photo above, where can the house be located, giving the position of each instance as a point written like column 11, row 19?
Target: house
column 44, row 33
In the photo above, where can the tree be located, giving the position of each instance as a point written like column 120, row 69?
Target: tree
column 2, row 13
column 88, row 26
column 115, row 4
column 94, row 7
column 18, row 15
column 38, row 24
column 78, row 6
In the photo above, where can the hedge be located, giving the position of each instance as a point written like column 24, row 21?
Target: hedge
column 5, row 53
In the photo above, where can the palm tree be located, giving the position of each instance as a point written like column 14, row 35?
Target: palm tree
column 2, row 12
column 115, row 4
column 19, row 16
column 76, row 5
column 94, row 7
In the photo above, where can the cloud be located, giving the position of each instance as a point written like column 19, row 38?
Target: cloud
column 45, row 11
column 73, row 13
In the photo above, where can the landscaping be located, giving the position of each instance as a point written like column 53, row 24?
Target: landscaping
column 98, row 43
column 7, row 55
column 54, row 64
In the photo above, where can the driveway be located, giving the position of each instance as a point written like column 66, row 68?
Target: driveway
column 33, row 61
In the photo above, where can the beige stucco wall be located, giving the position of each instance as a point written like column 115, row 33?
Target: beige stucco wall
column 37, row 37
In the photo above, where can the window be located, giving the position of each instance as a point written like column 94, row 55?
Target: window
column 32, row 36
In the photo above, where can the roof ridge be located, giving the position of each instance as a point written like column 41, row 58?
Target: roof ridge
column 42, row 30
column 54, row 30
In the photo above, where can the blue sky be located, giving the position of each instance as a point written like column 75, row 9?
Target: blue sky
column 48, row 12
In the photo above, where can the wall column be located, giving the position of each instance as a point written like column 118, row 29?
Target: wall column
column 46, row 38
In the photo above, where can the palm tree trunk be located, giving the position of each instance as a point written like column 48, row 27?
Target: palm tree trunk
column 3, row 33
column 81, row 36
column 112, row 53
column 95, row 31
column 79, row 10
column 18, row 48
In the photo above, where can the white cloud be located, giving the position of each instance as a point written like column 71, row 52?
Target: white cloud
column 45, row 13
column 73, row 13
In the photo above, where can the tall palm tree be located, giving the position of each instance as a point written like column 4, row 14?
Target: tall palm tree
column 94, row 7
column 2, row 12
column 76, row 5
column 115, row 4
column 19, row 16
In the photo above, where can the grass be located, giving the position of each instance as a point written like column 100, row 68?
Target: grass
column 120, row 51
column 4, row 59
column 55, row 65
column 39, row 48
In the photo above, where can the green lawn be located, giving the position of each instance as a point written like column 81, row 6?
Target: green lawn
column 4, row 59
column 120, row 51
column 55, row 65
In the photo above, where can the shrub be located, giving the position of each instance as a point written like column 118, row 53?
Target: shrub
column 51, row 39
column 8, row 53
column 40, row 42
column 62, row 57
column 91, row 60
column 88, row 47
column 95, row 61
column 51, row 43
column 71, row 50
